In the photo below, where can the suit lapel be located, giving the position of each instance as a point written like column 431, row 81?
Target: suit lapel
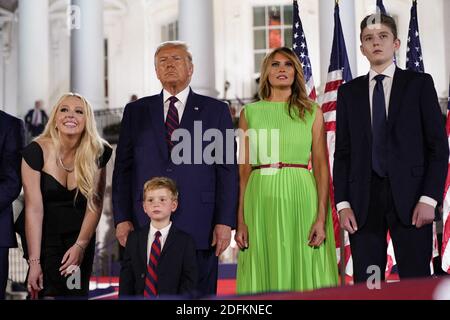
column 170, row 239
column 157, row 116
column 143, row 240
column 398, row 87
column 365, row 106
column 191, row 112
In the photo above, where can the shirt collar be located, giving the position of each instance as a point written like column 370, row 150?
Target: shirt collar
column 388, row 72
column 181, row 96
column 164, row 231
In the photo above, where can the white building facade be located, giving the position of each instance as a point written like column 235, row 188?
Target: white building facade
column 104, row 49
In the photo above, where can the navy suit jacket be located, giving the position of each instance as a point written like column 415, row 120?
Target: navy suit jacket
column 417, row 144
column 177, row 265
column 208, row 192
column 11, row 143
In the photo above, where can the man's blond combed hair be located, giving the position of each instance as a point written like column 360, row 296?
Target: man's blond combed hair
column 89, row 149
column 173, row 44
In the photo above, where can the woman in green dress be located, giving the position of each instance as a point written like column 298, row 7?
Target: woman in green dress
column 285, row 230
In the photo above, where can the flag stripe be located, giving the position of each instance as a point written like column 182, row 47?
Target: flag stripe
column 329, row 106
column 333, row 85
column 445, row 250
column 330, row 126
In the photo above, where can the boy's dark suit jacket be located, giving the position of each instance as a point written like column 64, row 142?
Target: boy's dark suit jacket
column 417, row 144
column 177, row 266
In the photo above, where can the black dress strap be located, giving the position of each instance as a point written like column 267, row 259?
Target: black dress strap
column 104, row 158
column 33, row 156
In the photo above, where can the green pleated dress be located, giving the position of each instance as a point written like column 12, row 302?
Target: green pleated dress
column 280, row 206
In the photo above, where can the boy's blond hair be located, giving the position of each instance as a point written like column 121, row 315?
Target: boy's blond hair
column 161, row 183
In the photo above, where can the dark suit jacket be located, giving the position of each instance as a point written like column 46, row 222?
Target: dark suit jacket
column 38, row 129
column 417, row 144
column 208, row 192
column 11, row 143
column 177, row 265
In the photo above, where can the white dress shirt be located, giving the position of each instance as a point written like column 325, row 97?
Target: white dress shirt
column 387, row 86
column 162, row 239
column 180, row 104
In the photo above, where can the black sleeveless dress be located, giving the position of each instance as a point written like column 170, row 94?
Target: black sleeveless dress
column 63, row 217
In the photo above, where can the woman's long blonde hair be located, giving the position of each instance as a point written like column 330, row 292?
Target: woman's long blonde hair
column 89, row 150
column 299, row 101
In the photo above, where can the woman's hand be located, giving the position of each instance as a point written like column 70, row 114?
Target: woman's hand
column 72, row 259
column 317, row 234
column 241, row 236
column 35, row 280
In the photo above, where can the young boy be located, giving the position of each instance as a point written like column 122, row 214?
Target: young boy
column 391, row 158
column 159, row 259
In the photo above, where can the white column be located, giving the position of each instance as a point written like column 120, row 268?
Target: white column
column 33, row 53
column 87, row 51
column 326, row 20
column 196, row 28
column 350, row 27
column 326, row 25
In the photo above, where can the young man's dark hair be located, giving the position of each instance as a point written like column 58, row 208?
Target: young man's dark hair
column 379, row 19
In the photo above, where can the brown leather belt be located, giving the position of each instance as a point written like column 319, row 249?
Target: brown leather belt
column 280, row 165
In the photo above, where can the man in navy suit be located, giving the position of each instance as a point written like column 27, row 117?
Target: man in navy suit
column 11, row 142
column 36, row 119
column 208, row 192
column 391, row 158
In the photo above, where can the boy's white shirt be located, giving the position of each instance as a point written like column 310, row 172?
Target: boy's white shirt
column 151, row 237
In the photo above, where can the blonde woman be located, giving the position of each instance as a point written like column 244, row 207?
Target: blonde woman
column 63, row 176
column 284, row 224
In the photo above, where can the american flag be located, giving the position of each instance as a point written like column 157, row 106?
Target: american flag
column 446, row 208
column 339, row 72
column 414, row 60
column 300, row 48
column 381, row 7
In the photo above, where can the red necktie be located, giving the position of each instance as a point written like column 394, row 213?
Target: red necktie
column 172, row 121
column 151, row 279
